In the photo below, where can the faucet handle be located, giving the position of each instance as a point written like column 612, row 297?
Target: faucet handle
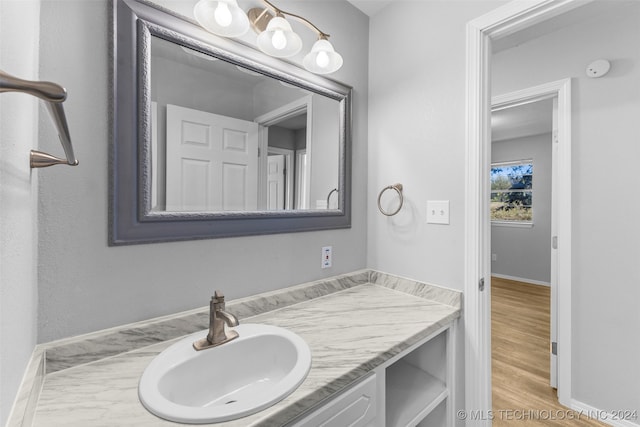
column 218, row 297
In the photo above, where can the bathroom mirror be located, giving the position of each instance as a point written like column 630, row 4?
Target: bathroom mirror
column 212, row 138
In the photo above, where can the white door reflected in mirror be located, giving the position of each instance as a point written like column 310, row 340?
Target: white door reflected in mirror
column 212, row 162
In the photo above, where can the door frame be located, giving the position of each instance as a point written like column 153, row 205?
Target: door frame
column 304, row 104
column 302, row 178
column 560, row 216
column 501, row 22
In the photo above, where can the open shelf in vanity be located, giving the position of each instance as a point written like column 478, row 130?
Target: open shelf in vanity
column 418, row 382
column 414, row 388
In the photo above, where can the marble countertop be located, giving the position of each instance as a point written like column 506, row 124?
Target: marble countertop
column 352, row 323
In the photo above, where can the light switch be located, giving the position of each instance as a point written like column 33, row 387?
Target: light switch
column 437, row 212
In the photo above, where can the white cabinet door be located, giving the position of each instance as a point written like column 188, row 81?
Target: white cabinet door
column 212, row 162
column 355, row 407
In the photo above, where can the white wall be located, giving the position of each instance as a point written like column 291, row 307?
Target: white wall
column 417, row 138
column 18, row 198
column 526, row 252
column 86, row 285
column 606, row 295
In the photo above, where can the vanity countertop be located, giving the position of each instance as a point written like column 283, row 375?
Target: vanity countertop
column 352, row 329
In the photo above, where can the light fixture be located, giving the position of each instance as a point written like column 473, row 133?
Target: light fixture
column 278, row 39
column 323, row 59
column 221, row 17
column 275, row 35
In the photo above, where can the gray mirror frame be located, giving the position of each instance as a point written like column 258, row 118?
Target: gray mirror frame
column 131, row 220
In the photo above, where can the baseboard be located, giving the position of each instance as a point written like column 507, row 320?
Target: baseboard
column 616, row 420
column 521, row 279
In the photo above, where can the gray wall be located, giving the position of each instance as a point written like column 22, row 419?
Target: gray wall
column 301, row 139
column 526, row 252
column 605, row 135
column 86, row 285
column 282, row 137
column 323, row 151
column 18, row 198
column 417, row 135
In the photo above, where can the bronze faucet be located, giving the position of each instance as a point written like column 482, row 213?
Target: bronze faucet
column 217, row 318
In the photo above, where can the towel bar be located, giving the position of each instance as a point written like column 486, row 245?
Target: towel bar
column 53, row 95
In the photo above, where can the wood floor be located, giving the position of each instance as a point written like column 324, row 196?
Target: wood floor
column 520, row 359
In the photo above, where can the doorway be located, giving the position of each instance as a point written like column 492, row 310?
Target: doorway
column 480, row 34
column 284, row 135
column 523, row 260
column 524, row 193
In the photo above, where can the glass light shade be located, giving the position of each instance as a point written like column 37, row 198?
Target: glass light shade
column 278, row 39
column 323, row 59
column 221, row 17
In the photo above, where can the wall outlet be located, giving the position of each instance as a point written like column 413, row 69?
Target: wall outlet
column 494, row 257
column 437, row 212
column 327, row 257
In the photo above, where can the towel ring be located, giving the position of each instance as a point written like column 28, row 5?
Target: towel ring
column 398, row 189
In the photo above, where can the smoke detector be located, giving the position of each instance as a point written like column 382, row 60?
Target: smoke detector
column 598, row 68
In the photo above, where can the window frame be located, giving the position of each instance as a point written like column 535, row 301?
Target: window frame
column 512, row 223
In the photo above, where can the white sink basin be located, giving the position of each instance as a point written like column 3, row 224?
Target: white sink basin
column 244, row 376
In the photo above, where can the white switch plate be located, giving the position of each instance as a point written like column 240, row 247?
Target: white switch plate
column 437, row 212
column 326, row 256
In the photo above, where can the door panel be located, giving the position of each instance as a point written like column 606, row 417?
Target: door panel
column 194, row 184
column 212, row 161
column 234, row 187
column 275, row 182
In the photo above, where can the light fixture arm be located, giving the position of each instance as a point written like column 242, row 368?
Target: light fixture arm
column 278, row 11
column 322, row 59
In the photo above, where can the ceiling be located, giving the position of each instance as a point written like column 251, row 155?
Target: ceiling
column 590, row 10
column 585, row 13
column 370, row 7
column 534, row 118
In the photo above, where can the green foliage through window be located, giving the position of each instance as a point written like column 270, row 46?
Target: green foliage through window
column 512, row 191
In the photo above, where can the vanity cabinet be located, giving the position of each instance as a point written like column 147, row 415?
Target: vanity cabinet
column 355, row 407
column 414, row 388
